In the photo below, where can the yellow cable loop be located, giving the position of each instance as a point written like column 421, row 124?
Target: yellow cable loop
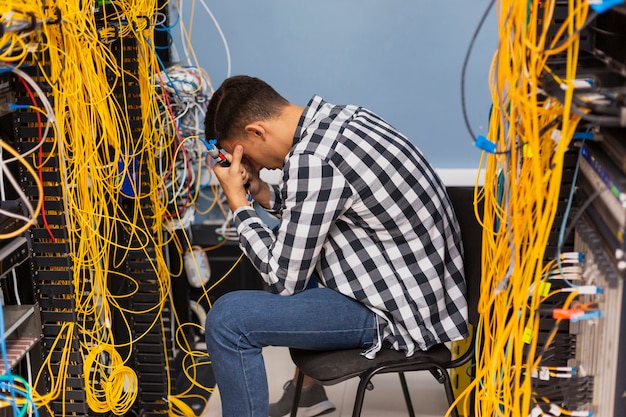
column 113, row 386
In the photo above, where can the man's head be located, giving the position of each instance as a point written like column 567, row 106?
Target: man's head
column 239, row 101
column 249, row 112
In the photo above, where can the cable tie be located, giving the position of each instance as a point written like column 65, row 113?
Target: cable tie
column 527, row 150
column 528, row 335
column 485, row 144
column 544, row 289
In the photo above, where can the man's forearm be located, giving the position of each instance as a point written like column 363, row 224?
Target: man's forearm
column 262, row 196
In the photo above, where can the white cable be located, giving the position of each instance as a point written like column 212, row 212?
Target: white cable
column 18, row 300
column 18, row 189
column 51, row 119
column 226, row 230
column 184, row 115
column 183, row 34
column 219, row 29
column 29, row 374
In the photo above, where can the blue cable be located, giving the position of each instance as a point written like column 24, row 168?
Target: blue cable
column 565, row 216
column 162, row 65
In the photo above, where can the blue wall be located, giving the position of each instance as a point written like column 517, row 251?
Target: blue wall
column 399, row 58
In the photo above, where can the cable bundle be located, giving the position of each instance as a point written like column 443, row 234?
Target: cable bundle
column 97, row 137
column 185, row 169
column 529, row 134
column 100, row 138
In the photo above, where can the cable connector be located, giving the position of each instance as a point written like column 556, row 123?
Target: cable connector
column 589, row 289
column 14, row 107
column 584, row 289
column 601, row 6
column 575, row 314
column 581, row 413
column 485, row 144
column 566, row 313
column 583, row 136
column 219, row 157
column 587, row 316
column 536, row 412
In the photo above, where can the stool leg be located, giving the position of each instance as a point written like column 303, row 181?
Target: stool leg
column 407, row 396
column 296, row 397
column 450, row 394
column 360, row 394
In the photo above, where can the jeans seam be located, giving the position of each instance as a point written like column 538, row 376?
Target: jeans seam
column 245, row 373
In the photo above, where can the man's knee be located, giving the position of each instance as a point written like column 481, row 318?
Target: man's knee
column 226, row 314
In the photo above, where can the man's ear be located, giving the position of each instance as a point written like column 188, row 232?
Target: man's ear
column 256, row 129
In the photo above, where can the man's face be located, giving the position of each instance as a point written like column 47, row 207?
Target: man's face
column 265, row 143
column 255, row 157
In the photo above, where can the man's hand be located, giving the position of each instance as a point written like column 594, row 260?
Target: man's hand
column 233, row 178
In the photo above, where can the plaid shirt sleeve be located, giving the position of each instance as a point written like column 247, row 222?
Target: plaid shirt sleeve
column 313, row 197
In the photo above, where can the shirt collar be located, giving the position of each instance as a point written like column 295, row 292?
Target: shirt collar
column 308, row 116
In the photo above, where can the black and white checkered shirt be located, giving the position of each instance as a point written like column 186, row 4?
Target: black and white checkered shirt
column 360, row 206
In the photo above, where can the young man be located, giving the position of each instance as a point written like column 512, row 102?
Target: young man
column 359, row 206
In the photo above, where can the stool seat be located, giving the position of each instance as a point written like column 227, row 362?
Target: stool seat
column 331, row 367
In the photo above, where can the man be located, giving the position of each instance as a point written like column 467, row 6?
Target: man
column 359, row 206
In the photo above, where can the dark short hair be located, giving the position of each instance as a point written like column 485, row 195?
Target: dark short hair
column 238, row 101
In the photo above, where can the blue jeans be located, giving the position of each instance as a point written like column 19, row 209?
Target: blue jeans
column 241, row 323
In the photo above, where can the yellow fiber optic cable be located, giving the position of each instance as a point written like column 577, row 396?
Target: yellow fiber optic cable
column 532, row 132
column 100, row 136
